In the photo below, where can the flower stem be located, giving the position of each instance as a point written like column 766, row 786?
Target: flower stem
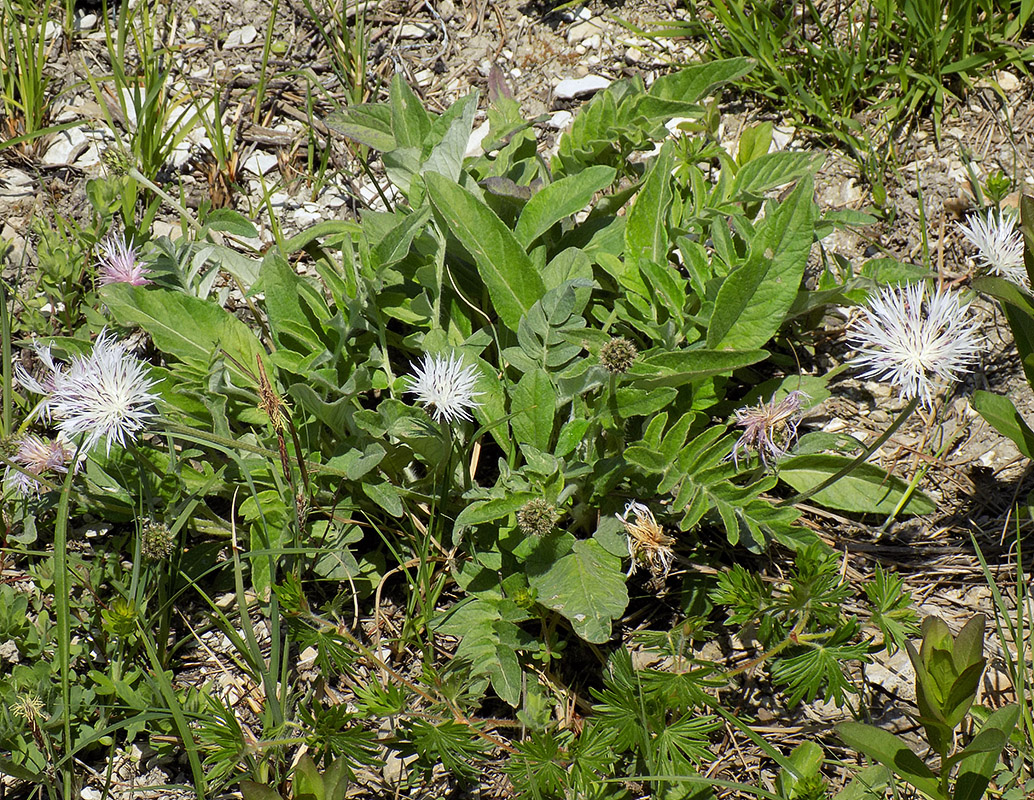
column 906, row 412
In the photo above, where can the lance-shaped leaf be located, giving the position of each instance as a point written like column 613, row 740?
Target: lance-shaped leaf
column 508, row 273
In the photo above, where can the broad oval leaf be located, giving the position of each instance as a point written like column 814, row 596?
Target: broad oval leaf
column 185, row 327
column 587, row 587
column 865, row 490
column 561, row 199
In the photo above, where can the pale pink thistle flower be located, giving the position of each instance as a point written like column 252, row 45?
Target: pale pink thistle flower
column 119, row 264
column 37, row 456
column 446, row 384
column 770, row 429
column 999, row 245
column 913, row 341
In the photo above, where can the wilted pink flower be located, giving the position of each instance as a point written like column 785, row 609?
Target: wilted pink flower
column 37, row 456
column 118, row 262
column 770, row 429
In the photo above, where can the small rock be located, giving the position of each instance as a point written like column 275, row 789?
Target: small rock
column 446, row 10
column 240, row 37
column 476, row 139
column 592, row 42
column 584, row 13
column 516, row 72
column 424, row 77
column 9, row 652
column 307, row 657
column 1008, row 81
column 66, row 148
column 52, row 30
column 781, row 137
column 583, row 30
column 306, row 217
column 87, row 22
column 260, row 163
column 415, row 30
column 560, row 120
column 15, row 183
column 89, row 793
column 576, row 87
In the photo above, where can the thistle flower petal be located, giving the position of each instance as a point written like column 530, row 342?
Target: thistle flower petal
column 105, row 395
column 118, row 262
column 915, row 342
column 999, row 245
column 770, row 429
column 446, row 384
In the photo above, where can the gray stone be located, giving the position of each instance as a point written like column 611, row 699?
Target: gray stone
column 66, row 147
column 240, row 37
column 576, row 87
column 583, row 30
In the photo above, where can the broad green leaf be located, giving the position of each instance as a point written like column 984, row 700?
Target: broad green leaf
column 646, row 232
column 481, row 511
column 394, row 245
column 694, row 82
column 410, row 123
column 533, row 405
column 369, row 124
column 454, row 126
column 189, row 329
column 294, row 307
column 558, row 200
column 869, row 784
column 571, row 435
column 865, row 490
column 887, row 749
column 512, row 281
column 230, row 221
column 489, row 642
column 1002, row 415
column 754, row 143
column 506, row 675
column 976, row 768
column 587, row 587
column 771, row 170
column 1018, row 306
column 256, row 791
column 385, row 495
column 685, row 366
column 752, row 302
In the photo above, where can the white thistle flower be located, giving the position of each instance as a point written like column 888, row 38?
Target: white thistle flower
column 105, row 395
column 999, row 245
column 911, row 340
column 446, row 384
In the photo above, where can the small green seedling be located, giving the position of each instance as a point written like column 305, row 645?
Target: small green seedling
column 948, row 671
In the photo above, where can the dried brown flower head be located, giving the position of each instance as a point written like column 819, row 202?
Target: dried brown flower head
column 648, row 544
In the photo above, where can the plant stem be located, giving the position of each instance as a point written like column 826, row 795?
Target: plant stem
column 906, row 412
